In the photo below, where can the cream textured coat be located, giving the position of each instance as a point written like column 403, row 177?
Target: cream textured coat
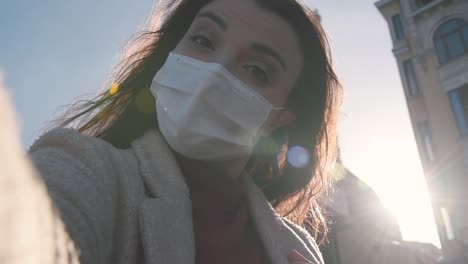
column 133, row 205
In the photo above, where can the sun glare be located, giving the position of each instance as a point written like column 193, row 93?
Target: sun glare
column 397, row 177
column 405, row 195
column 413, row 211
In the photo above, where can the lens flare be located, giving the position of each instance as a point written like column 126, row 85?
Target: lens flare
column 298, row 157
column 113, row 89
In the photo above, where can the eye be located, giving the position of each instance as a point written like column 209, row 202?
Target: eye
column 202, row 41
column 258, row 73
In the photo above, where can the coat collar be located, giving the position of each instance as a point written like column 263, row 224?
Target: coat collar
column 277, row 236
column 166, row 216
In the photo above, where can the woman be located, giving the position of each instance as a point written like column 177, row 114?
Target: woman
column 221, row 120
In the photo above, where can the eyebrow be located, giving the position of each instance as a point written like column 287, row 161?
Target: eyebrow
column 215, row 18
column 255, row 46
column 271, row 52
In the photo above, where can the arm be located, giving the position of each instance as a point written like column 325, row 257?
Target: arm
column 31, row 231
column 75, row 168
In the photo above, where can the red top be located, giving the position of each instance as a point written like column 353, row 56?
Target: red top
column 224, row 231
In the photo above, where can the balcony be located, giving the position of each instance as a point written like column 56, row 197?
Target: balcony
column 400, row 47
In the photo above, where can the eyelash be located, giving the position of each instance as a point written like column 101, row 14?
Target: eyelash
column 259, row 74
column 208, row 44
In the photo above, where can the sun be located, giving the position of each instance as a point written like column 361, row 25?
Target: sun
column 408, row 200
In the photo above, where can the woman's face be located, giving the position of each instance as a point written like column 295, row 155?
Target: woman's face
column 254, row 44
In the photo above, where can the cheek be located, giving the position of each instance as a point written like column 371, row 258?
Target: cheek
column 288, row 85
column 278, row 95
column 267, row 127
column 186, row 47
column 182, row 47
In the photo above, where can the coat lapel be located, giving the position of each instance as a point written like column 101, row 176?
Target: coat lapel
column 165, row 217
column 277, row 237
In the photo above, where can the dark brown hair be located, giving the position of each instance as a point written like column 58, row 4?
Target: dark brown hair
column 125, row 111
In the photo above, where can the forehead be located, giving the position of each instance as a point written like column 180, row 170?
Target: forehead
column 249, row 21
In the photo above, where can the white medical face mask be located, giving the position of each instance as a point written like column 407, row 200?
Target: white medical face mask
column 205, row 112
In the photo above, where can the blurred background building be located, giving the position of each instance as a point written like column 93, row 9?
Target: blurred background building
column 362, row 231
column 430, row 44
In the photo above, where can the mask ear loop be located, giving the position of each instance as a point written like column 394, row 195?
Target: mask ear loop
column 279, row 108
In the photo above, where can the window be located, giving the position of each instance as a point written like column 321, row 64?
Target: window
column 451, row 40
column 398, row 27
column 412, row 86
column 459, row 101
column 425, row 142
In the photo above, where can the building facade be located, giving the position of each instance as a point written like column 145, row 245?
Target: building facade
column 430, row 44
column 362, row 231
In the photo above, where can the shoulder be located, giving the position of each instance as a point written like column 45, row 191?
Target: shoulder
column 65, row 144
column 69, row 139
column 86, row 177
column 69, row 160
column 66, row 156
column 307, row 239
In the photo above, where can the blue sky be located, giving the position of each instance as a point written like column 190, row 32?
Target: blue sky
column 54, row 51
